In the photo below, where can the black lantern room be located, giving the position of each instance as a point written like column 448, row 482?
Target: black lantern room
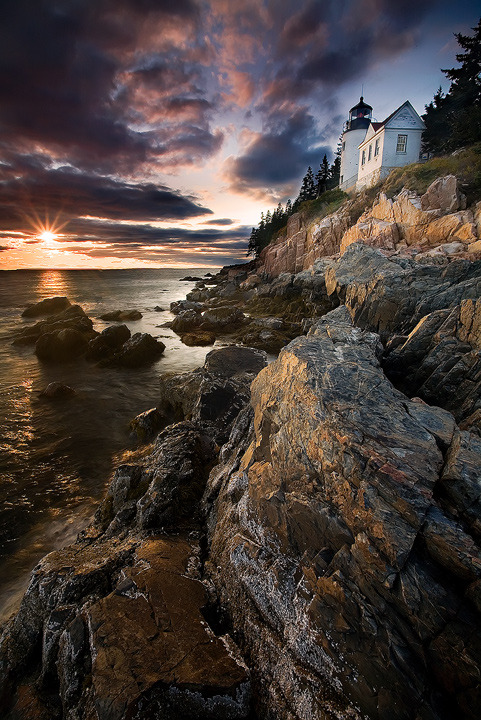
column 359, row 116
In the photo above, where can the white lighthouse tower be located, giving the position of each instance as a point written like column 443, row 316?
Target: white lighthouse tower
column 353, row 134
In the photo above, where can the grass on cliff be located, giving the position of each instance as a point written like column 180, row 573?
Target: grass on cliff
column 465, row 164
column 324, row 205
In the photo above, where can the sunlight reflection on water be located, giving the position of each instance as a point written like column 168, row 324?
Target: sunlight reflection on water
column 52, row 282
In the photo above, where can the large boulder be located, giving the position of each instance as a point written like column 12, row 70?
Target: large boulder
column 140, row 349
column 186, row 320
column 49, row 306
column 109, row 340
column 234, row 360
column 352, row 579
column 222, row 319
column 444, row 194
column 61, row 346
column 73, row 317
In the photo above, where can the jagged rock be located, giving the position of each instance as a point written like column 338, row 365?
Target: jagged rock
column 222, row 319
column 186, row 320
column 124, row 635
column 440, row 359
column 146, row 425
column 444, row 194
column 122, row 315
column 61, row 346
column 109, row 340
column 73, row 317
column 455, row 227
column 57, row 390
column 329, row 549
column 199, row 338
column 140, row 349
column 373, row 232
column 181, row 305
column 49, row 306
column 269, row 339
column 324, row 238
column 234, row 360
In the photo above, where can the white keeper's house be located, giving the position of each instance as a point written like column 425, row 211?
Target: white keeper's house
column 370, row 150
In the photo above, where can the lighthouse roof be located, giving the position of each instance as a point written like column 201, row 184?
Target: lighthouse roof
column 361, row 105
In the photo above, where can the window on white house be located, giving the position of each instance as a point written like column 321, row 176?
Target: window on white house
column 376, row 148
column 363, row 161
column 369, row 155
column 343, row 145
column 402, row 141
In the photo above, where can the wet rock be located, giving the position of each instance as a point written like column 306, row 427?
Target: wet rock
column 146, row 425
column 186, row 320
column 49, row 306
column 56, row 390
column 73, row 318
column 122, row 315
column 61, row 346
column 222, row 319
column 139, row 350
column 199, row 338
column 109, row 340
column 267, row 339
column 181, row 305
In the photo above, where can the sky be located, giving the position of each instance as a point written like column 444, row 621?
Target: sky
column 152, row 133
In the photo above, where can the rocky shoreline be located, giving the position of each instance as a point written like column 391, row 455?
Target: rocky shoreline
column 299, row 539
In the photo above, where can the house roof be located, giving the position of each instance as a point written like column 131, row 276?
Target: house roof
column 377, row 126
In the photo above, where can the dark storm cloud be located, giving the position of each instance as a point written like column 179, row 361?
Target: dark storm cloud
column 64, row 71
column 277, row 156
column 220, row 221
column 66, row 193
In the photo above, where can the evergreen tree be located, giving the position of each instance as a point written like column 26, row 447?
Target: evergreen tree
column 454, row 120
column 322, row 177
column 308, row 187
column 289, row 209
column 334, row 173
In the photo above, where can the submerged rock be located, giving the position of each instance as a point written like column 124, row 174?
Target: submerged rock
column 57, row 390
column 122, row 315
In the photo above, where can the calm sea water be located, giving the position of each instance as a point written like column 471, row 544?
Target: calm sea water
column 57, row 456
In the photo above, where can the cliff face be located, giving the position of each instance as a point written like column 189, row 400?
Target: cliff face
column 309, row 531
column 438, row 219
column 339, row 540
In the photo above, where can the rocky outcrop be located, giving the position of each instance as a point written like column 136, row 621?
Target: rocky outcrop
column 118, row 625
column 341, row 541
column 437, row 218
column 108, row 342
column 72, row 318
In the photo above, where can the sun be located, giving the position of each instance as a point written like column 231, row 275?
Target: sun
column 47, row 236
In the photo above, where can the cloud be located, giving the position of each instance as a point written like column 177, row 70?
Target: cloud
column 276, row 157
column 66, row 193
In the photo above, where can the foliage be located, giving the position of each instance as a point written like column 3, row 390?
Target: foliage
column 310, row 199
column 454, row 120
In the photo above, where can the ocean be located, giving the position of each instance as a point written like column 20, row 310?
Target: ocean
column 57, row 456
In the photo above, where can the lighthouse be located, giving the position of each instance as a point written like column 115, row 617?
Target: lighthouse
column 353, row 134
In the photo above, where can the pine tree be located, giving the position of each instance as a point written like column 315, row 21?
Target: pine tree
column 322, row 177
column 454, row 120
column 289, row 209
column 334, row 173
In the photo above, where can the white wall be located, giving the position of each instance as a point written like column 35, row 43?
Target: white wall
column 374, row 163
column 350, row 154
column 391, row 158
